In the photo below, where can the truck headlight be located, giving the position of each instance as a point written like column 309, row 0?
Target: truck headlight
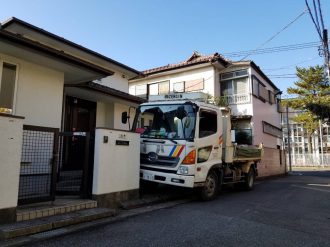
column 183, row 170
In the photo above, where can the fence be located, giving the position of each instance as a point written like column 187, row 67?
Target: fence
column 236, row 99
column 38, row 164
column 309, row 160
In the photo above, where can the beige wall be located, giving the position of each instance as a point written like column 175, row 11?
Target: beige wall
column 270, row 164
column 39, row 93
column 116, row 167
column 11, row 130
column 109, row 115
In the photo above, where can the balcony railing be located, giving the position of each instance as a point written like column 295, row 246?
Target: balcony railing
column 236, row 99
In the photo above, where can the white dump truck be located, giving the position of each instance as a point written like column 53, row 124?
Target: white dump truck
column 187, row 142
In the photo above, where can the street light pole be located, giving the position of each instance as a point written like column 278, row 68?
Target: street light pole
column 288, row 130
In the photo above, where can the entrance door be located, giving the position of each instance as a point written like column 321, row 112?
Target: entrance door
column 77, row 152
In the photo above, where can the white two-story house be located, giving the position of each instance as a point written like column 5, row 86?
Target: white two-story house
column 251, row 95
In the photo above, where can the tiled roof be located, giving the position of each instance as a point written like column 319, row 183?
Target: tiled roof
column 196, row 58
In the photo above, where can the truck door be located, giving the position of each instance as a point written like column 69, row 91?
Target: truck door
column 208, row 141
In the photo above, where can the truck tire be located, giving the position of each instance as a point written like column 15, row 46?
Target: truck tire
column 210, row 189
column 249, row 179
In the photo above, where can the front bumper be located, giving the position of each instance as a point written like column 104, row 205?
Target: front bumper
column 167, row 178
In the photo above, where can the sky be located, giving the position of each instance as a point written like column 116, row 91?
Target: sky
column 144, row 34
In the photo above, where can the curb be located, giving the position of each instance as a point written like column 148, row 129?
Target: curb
column 88, row 225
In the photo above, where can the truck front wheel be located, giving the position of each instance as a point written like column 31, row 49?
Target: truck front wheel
column 249, row 179
column 210, row 189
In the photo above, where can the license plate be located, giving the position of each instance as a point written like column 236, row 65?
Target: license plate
column 148, row 176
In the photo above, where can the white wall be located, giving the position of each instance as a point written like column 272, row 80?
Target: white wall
column 116, row 167
column 39, row 93
column 117, row 81
column 11, row 131
column 207, row 73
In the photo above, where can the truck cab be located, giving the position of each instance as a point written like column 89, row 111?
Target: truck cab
column 185, row 142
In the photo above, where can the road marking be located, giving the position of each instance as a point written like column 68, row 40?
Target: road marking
column 310, row 188
column 321, row 185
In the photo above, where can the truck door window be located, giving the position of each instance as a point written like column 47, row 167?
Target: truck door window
column 207, row 123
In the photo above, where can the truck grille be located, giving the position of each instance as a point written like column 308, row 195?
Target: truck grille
column 161, row 160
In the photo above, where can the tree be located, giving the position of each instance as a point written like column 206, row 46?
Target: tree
column 310, row 95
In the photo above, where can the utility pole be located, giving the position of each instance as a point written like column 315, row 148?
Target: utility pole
column 289, row 143
column 326, row 53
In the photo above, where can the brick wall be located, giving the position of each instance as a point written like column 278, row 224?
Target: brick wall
column 270, row 164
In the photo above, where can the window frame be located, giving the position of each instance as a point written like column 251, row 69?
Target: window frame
column 7, row 61
column 232, row 80
column 157, row 83
column 202, row 82
column 199, row 120
column 179, row 82
column 260, row 84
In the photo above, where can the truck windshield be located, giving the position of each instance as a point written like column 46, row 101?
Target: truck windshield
column 166, row 121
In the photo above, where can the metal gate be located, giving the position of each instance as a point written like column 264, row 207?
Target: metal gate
column 74, row 173
column 38, row 164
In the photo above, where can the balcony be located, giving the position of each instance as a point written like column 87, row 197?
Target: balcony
column 236, row 99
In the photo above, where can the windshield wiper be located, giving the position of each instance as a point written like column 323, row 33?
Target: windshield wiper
column 175, row 142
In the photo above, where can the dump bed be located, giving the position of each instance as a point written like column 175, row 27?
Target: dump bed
column 245, row 152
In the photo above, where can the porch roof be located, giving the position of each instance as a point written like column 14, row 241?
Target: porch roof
column 109, row 91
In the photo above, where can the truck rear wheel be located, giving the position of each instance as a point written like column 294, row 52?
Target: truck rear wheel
column 210, row 189
column 249, row 179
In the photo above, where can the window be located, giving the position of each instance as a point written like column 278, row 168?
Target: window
column 234, row 86
column 207, row 123
column 243, row 136
column 271, row 97
column 235, row 82
column 178, row 87
column 164, row 87
column 7, row 85
column 263, row 93
column 141, row 91
column 159, row 88
column 194, row 85
column 234, row 74
column 259, row 89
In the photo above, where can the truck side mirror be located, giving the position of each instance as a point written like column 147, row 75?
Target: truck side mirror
column 124, row 117
column 233, row 135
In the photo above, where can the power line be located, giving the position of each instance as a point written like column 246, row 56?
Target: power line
column 291, row 65
column 276, row 34
column 273, row 49
column 313, row 20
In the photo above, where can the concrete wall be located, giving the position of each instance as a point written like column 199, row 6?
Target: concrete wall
column 39, row 93
column 271, row 164
column 116, row 167
column 11, row 131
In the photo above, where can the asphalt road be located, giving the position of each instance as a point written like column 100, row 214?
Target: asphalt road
column 290, row 211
